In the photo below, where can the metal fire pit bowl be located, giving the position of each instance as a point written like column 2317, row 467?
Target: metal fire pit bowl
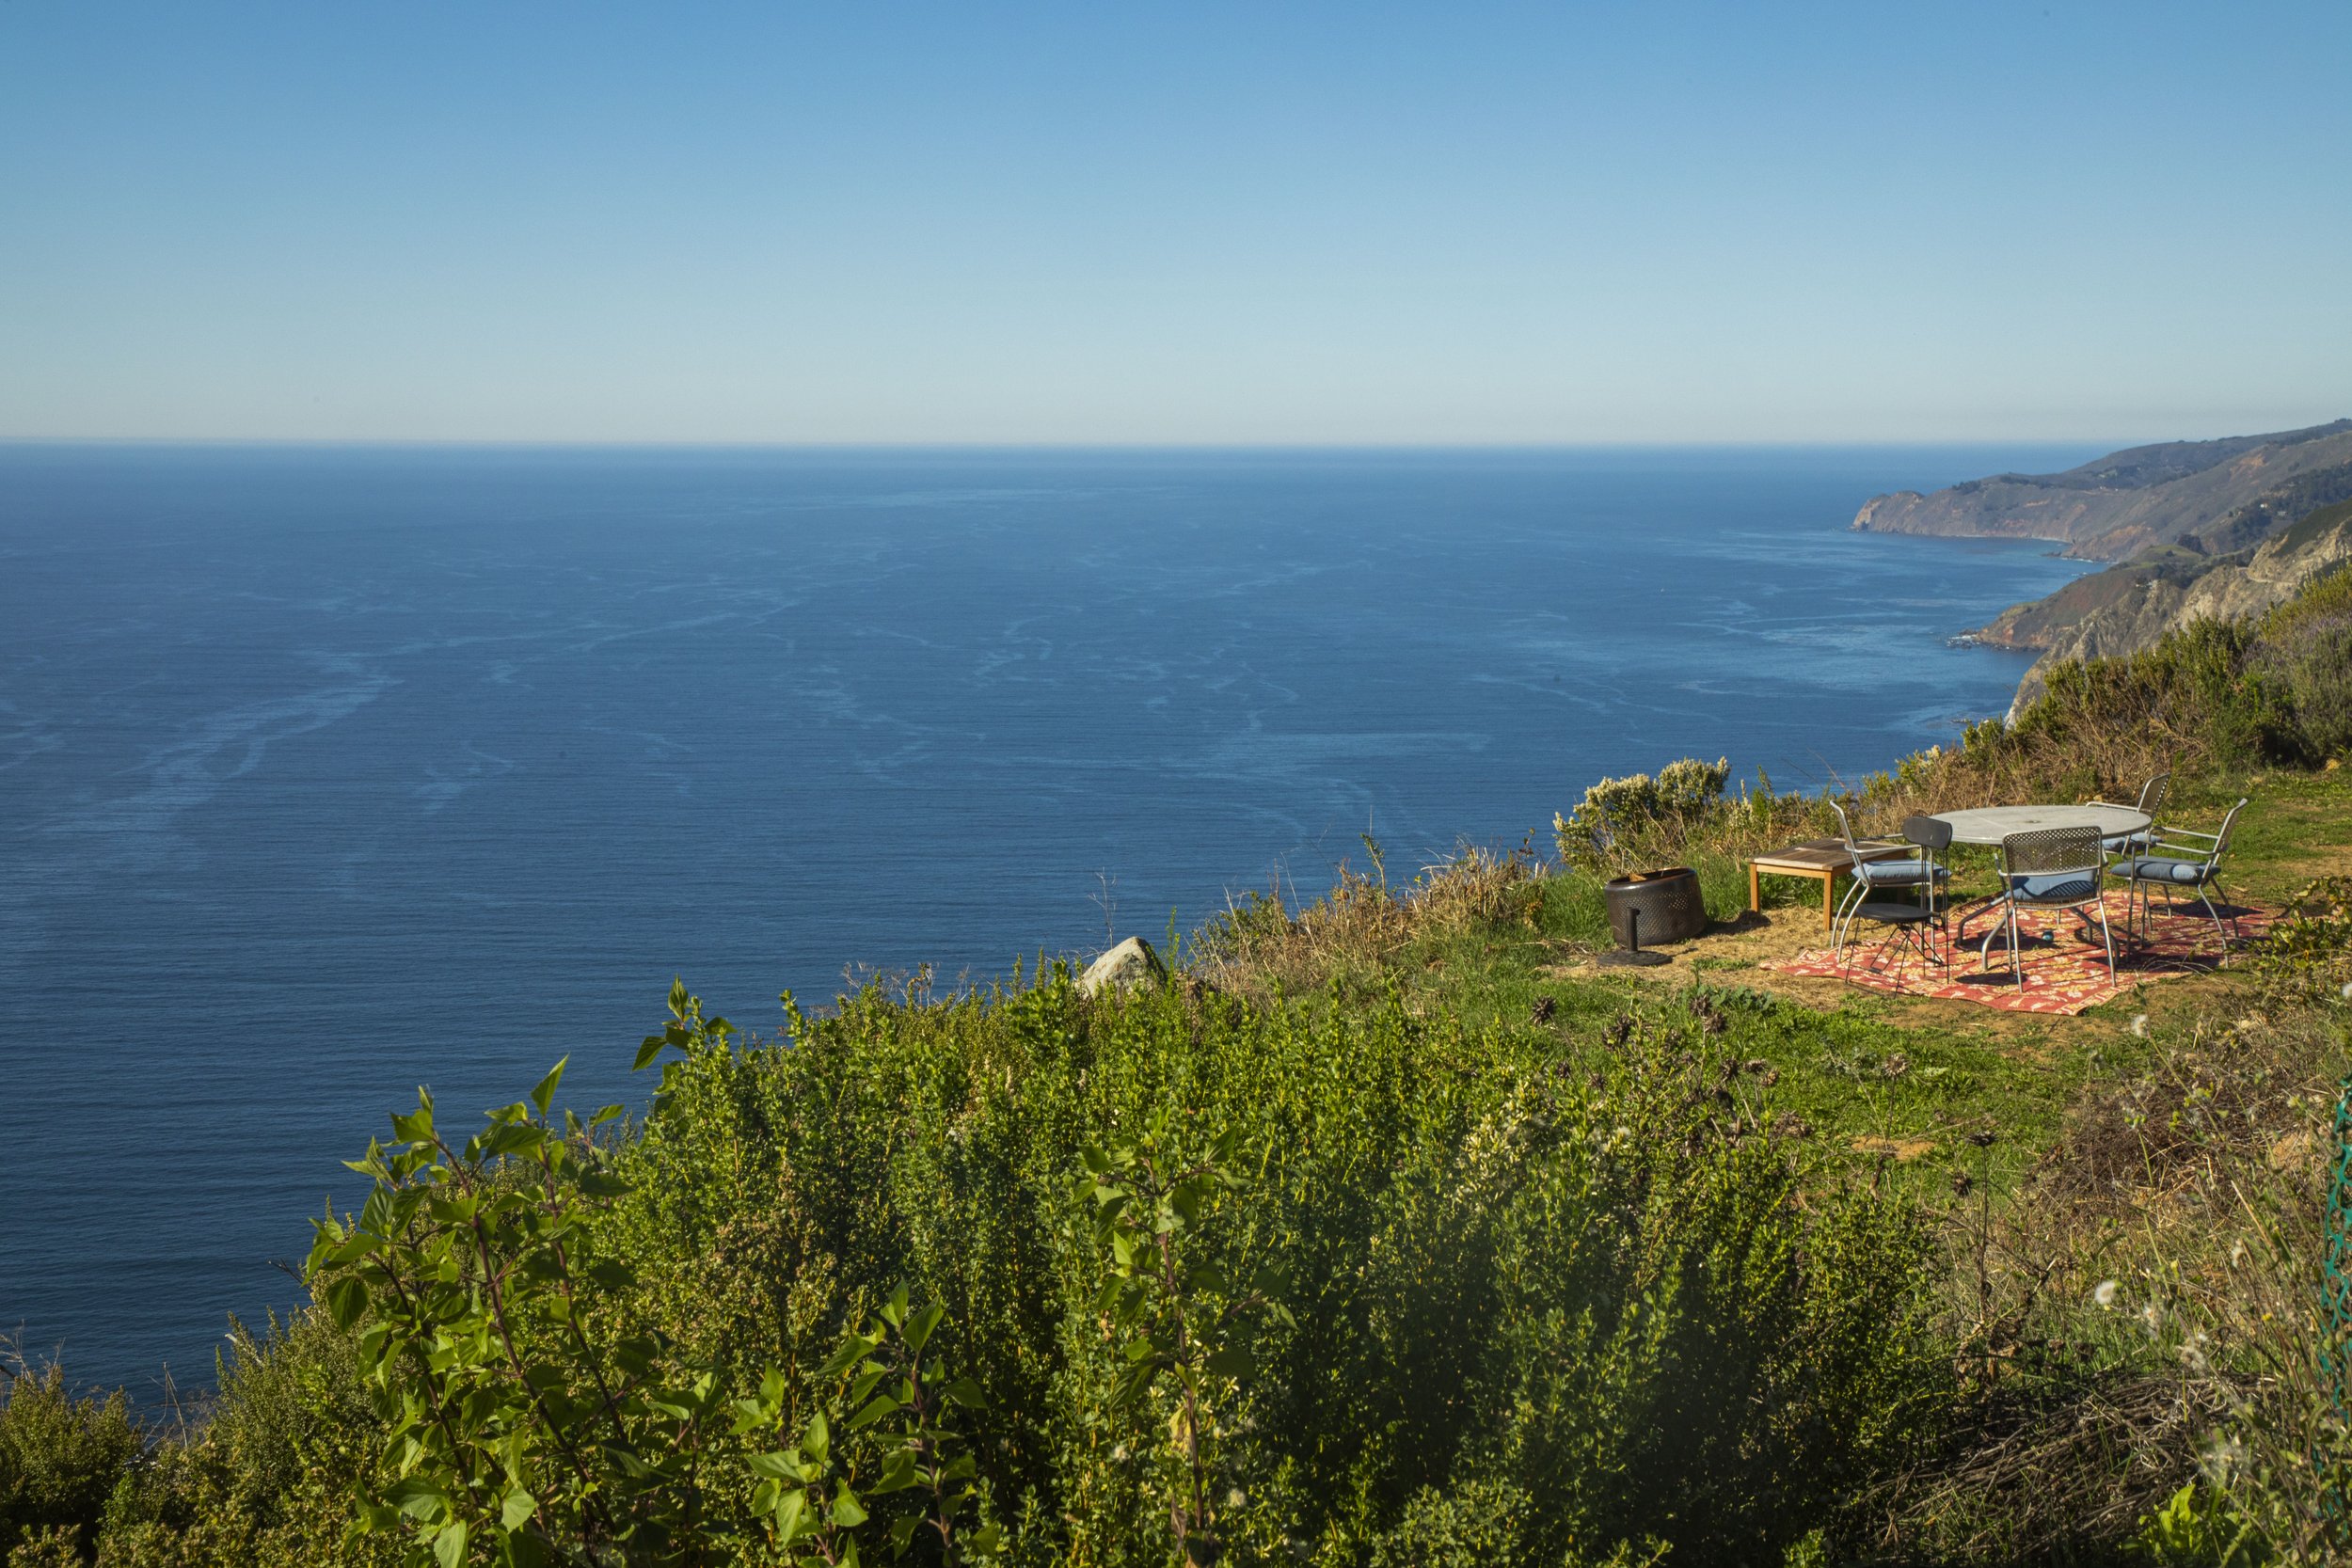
column 1653, row 907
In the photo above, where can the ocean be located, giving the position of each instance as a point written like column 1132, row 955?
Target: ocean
column 325, row 773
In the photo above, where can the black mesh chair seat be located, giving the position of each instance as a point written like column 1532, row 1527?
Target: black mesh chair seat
column 1921, row 879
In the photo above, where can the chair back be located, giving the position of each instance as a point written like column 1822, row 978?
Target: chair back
column 1845, row 831
column 2221, row 839
column 2066, row 861
column 1929, row 832
column 2151, row 795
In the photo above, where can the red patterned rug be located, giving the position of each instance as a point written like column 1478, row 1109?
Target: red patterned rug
column 2063, row 973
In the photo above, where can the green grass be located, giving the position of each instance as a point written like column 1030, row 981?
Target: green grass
column 1870, row 1066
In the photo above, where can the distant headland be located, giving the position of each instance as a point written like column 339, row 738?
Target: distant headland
column 2199, row 530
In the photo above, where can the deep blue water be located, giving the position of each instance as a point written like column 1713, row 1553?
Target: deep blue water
column 327, row 773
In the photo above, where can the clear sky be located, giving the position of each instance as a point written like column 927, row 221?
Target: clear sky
column 1111, row 222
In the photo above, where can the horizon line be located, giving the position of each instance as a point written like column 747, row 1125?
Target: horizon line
column 659, row 444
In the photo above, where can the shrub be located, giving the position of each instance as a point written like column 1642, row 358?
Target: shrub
column 2305, row 649
column 1625, row 1300
column 268, row 1475
column 1622, row 821
column 60, row 1458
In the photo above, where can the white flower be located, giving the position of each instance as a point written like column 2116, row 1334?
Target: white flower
column 2347, row 990
column 2237, row 1255
column 2153, row 1315
column 1235, row 1497
column 2139, row 1026
column 2104, row 1294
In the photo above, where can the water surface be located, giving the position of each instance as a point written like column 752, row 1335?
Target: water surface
column 327, row 773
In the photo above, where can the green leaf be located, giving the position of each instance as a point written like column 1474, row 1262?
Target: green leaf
column 612, row 1277
column 648, row 1052
column 792, row 1516
column 920, row 1326
column 884, row 1405
column 598, row 1183
column 417, row 1126
column 855, row 1349
column 518, row 1508
column 1232, row 1361
column 817, row 1441
column 544, row 1094
column 898, row 1471
column 449, row 1546
column 347, row 1299
column 847, row 1510
column 965, row 1392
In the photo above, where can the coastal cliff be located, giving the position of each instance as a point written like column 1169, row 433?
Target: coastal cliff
column 2125, row 608
column 2207, row 497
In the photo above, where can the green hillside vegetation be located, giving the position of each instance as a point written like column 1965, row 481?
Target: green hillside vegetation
column 1387, row 1231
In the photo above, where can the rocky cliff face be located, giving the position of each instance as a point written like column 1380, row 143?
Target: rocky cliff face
column 2110, row 618
column 2205, row 497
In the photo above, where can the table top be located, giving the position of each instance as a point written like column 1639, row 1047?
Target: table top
column 1992, row 824
column 1827, row 854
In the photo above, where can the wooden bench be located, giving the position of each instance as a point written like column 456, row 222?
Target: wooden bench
column 1820, row 858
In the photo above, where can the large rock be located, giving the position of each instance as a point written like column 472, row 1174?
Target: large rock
column 1129, row 963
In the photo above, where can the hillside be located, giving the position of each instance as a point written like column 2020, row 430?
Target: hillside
column 2126, row 608
column 2206, row 498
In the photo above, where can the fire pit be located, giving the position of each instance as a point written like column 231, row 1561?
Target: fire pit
column 1650, row 907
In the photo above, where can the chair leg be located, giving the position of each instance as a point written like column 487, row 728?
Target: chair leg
column 1842, row 922
column 2110, row 937
column 2205, row 896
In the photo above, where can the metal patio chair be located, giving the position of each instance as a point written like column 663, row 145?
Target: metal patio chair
column 2181, row 858
column 1917, row 872
column 2052, row 868
column 1909, row 920
column 2151, row 803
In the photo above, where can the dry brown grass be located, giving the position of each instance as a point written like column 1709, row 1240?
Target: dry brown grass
column 1263, row 942
column 2142, row 1311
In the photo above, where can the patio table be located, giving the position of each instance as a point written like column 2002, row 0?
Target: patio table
column 1988, row 825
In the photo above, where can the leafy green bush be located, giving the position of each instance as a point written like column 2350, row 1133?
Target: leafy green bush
column 268, row 1475
column 61, row 1459
column 2305, row 649
column 1621, row 822
column 1604, row 1297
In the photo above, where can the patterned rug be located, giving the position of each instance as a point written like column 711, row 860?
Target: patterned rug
column 2063, row 973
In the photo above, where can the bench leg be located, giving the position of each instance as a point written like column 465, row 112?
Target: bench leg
column 1828, row 896
column 1755, row 890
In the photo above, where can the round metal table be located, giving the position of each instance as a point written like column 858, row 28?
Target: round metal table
column 1988, row 825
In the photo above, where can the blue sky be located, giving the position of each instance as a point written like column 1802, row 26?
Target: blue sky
column 512, row 220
